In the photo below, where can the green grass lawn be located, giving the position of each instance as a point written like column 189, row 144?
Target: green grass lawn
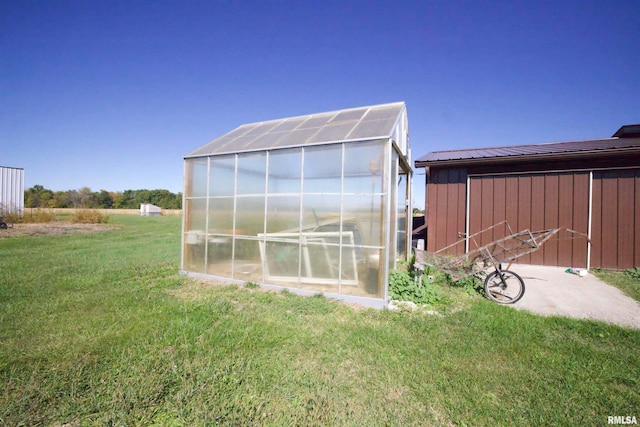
column 99, row 329
column 622, row 280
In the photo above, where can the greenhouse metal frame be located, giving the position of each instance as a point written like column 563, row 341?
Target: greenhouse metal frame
column 314, row 204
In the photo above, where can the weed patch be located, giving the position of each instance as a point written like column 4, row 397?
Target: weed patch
column 403, row 286
column 89, row 216
column 633, row 273
column 37, row 216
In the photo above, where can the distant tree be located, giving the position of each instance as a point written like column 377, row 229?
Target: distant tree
column 88, row 199
column 37, row 197
column 104, row 200
column 143, row 196
column 73, row 199
column 61, row 199
column 165, row 199
column 115, row 196
column 128, row 200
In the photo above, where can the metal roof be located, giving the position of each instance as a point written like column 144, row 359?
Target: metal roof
column 528, row 152
column 355, row 124
column 628, row 131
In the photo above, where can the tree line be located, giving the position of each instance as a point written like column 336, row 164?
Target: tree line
column 40, row 197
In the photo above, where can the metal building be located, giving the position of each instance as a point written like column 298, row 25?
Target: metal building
column 11, row 189
column 147, row 209
column 314, row 203
column 591, row 186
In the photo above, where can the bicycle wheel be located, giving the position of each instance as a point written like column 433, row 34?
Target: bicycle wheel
column 504, row 287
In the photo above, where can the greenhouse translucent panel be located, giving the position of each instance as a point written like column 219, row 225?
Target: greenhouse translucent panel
column 323, row 169
column 250, row 215
column 261, row 129
column 370, row 122
column 316, row 121
column 265, row 141
column 239, row 131
column 364, row 167
column 194, row 238
column 280, row 256
column 251, row 173
column 402, row 217
column 195, row 213
column 288, row 124
column 349, row 115
column 366, row 212
column 351, row 272
column 333, row 132
column 370, row 271
column 237, row 144
column 296, row 137
column 389, row 112
column 194, row 253
column 283, row 213
column 219, row 255
column 221, row 215
column 321, row 211
column 247, row 261
column 212, row 146
column 372, row 129
column 321, row 260
column 196, row 181
column 393, row 219
column 217, row 144
column 285, row 168
column 222, row 176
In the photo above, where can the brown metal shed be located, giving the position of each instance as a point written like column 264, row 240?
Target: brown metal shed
column 591, row 186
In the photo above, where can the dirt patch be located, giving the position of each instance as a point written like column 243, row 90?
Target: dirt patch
column 54, row 228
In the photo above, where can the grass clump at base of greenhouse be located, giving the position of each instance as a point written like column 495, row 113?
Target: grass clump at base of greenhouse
column 100, row 329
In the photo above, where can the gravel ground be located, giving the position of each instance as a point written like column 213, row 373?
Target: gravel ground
column 551, row 291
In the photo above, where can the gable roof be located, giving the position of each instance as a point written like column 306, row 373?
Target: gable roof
column 363, row 123
column 554, row 150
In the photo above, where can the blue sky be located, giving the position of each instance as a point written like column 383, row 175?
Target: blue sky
column 112, row 94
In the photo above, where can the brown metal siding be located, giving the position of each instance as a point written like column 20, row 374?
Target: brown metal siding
column 446, row 205
column 615, row 223
column 551, row 215
column 535, row 202
column 523, row 206
column 636, row 215
column 596, row 223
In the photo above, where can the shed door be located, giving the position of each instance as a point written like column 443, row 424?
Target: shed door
column 616, row 219
column 534, row 202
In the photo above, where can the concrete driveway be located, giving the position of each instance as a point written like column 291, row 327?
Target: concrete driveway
column 550, row 291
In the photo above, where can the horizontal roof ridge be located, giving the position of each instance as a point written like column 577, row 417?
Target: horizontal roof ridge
column 500, row 147
column 542, row 150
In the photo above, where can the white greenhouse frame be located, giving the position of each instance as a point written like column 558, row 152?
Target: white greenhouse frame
column 314, row 204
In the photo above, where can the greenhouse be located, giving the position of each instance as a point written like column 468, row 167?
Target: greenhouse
column 313, row 204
